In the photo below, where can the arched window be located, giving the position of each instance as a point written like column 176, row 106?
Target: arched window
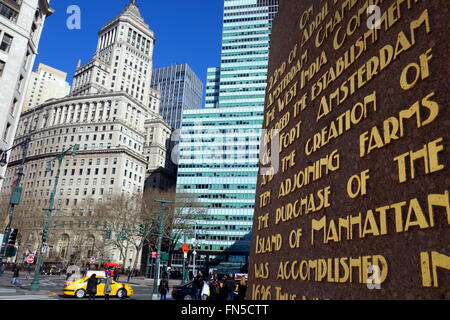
column 63, row 245
column 89, row 246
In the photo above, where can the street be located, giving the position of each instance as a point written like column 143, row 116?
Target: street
column 51, row 288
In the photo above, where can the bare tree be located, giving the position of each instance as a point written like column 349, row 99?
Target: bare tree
column 122, row 218
column 134, row 220
column 186, row 211
column 27, row 219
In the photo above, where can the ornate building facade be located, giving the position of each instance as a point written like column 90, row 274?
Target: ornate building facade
column 110, row 114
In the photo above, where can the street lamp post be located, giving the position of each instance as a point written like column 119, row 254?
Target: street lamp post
column 194, row 253
column 73, row 151
column 184, row 261
column 162, row 204
column 16, row 192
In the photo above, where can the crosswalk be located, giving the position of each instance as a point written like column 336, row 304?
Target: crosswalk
column 42, row 282
column 7, row 290
column 27, row 297
column 50, row 283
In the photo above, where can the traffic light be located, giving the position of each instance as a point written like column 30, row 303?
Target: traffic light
column 108, row 234
column 186, row 263
column 49, row 166
column 75, row 149
column 12, row 237
column 121, row 236
column 44, row 235
column 142, row 229
column 16, row 195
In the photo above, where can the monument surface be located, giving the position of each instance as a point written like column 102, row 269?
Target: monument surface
column 353, row 192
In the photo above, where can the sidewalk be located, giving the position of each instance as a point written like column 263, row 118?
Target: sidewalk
column 146, row 281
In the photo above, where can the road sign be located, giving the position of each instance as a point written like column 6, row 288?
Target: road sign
column 154, row 254
column 30, row 259
column 185, row 255
column 44, row 247
column 164, row 256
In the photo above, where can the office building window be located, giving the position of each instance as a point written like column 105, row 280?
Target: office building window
column 2, row 67
column 7, row 12
column 5, row 44
column 6, row 133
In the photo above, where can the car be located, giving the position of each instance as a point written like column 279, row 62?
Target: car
column 183, row 292
column 54, row 270
column 176, row 275
column 78, row 288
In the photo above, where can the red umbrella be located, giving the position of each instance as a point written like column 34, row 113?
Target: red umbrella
column 112, row 264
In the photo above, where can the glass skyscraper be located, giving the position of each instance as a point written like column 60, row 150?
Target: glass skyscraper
column 180, row 88
column 219, row 145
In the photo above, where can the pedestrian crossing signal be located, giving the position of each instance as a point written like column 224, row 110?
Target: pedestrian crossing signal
column 12, row 237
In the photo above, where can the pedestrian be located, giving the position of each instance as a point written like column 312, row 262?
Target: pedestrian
column 15, row 278
column 214, row 290
column 205, row 291
column 2, row 269
column 197, row 286
column 129, row 275
column 28, row 271
column 222, row 291
column 68, row 275
column 84, row 271
column 108, row 286
column 91, row 288
column 229, row 287
column 242, row 289
column 163, row 288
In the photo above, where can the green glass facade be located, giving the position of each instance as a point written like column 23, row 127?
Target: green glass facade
column 219, row 144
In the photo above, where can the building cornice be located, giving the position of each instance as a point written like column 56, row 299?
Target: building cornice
column 93, row 96
column 52, row 155
column 45, row 6
column 78, row 124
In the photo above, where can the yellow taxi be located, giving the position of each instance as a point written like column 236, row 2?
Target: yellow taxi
column 78, row 288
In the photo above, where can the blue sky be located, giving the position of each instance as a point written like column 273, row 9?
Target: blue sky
column 186, row 32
